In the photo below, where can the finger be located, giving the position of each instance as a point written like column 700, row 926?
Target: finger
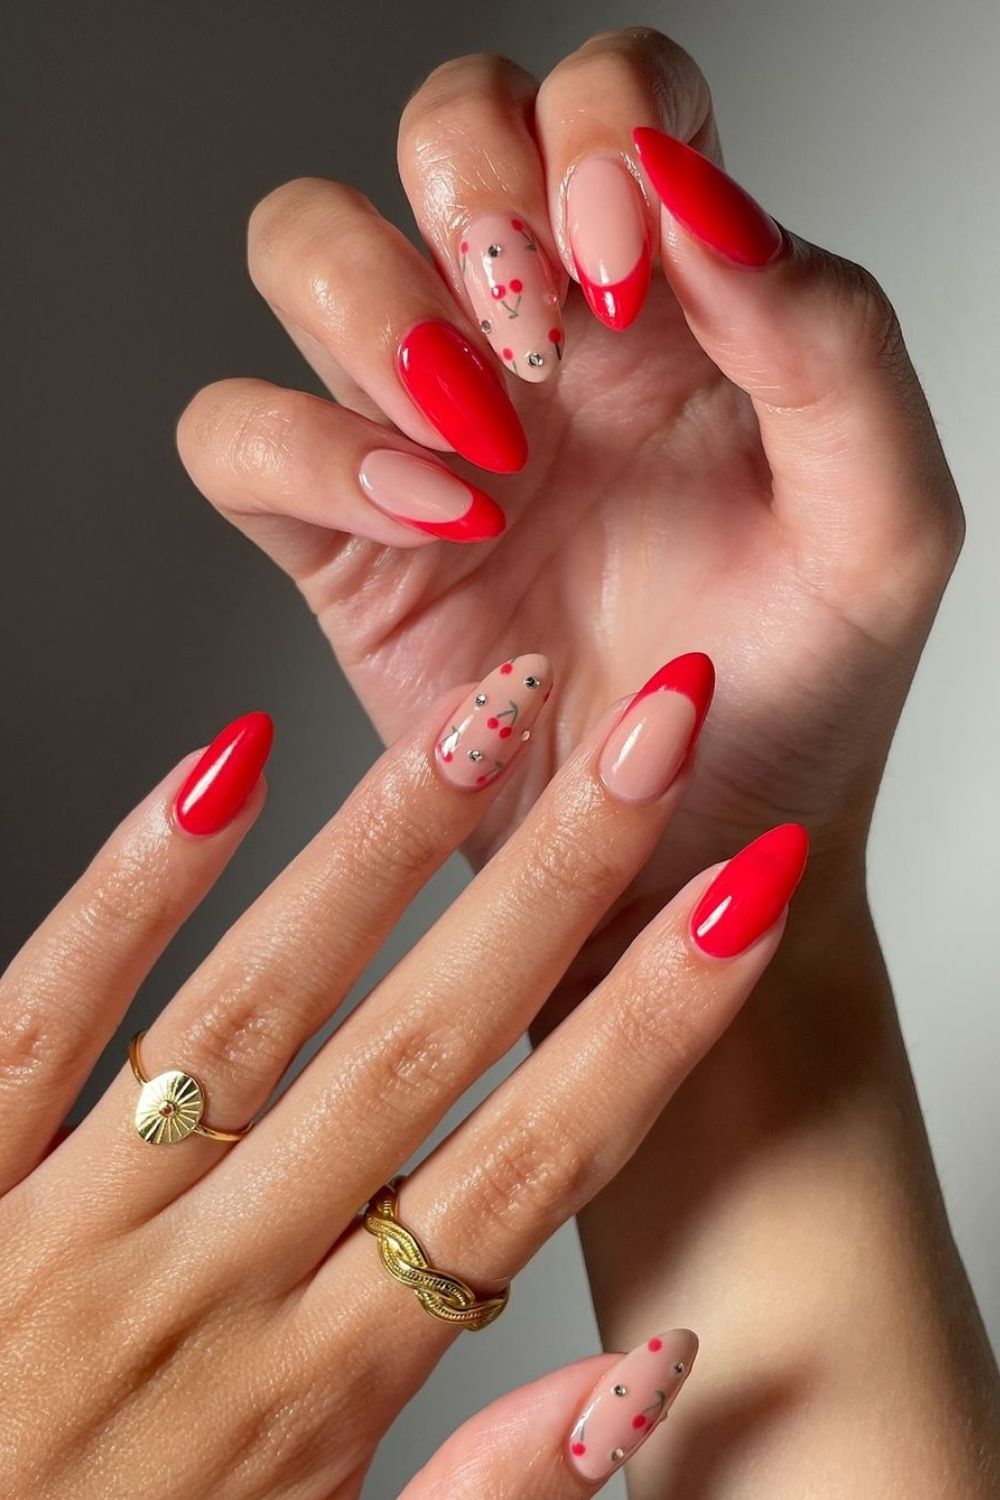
column 66, row 991
column 353, row 284
column 471, row 169
column 563, row 1436
column 814, row 342
column 264, row 456
column 286, row 965
column 462, row 996
column 568, row 1120
column 587, row 108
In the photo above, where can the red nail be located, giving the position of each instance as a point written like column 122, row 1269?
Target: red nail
column 225, row 775
column 707, row 201
column 749, row 894
column 693, row 675
column 457, row 391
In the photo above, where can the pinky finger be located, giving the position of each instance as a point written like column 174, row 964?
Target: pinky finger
column 562, row 1437
column 65, row 993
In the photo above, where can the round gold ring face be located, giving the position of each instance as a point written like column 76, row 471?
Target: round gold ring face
column 169, row 1108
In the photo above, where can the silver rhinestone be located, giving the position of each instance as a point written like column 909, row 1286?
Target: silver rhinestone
column 617, row 1454
column 679, row 1367
column 485, row 325
column 494, row 251
column 475, row 755
column 525, row 736
column 533, row 682
column 480, row 699
column 535, row 360
column 619, row 1390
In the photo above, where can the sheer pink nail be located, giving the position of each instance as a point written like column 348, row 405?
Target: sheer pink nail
column 485, row 733
column 631, row 1400
column 648, row 747
column 514, row 293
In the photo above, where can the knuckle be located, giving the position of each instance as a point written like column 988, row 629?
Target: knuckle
column 238, row 429
column 243, row 1042
column 419, row 1062
column 475, row 79
column 627, row 56
column 573, row 866
column 536, row 1172
column 28, row 1043
column 292, row 229
column 870, row 319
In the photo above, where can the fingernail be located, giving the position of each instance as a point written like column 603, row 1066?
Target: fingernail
column 514, row 293
column 426, row 495
column 706, row 200
column 654, row 736
column 462, row 397
column 609, row 238
column 632, row 1398
column 225, row 776
column 485, row 733
column 750, row 893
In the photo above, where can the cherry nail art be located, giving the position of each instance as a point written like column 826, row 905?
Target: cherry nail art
column 462, row 396
column 430, row 497
column 707, row 201
column 631, row 1400
column 225, row 776
column 649, row 746
column 514, row 293
column 485, row 733
column 609, row 237
column 750, row 893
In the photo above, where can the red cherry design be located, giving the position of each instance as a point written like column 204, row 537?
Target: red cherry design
column 464, row 247
column 498, row 292
column 480, row 780
column 639, row 1421
column 492, row 723
column 516, row 224
column 448, row 755
column 555, row 336
column 655, row 1344
column 505, row 732
column 508, row 666
column 579, row 1449
column 507, row 354
column 516, row 285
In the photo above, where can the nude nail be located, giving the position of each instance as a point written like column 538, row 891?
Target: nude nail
column 514, row 293
column 631, row 1400
column 645, row 751
column 485, row 733
column 426, row 495
column 609, row 237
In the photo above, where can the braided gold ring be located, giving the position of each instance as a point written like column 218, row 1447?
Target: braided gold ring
column 443, row 1295
column 171, row 1105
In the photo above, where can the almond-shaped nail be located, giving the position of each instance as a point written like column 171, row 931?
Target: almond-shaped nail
column 750, row 893
column 632, row 1398
column 514, row 294
column 223, row 779
column 426, row 495
column 652, row 740
column 463, row 395
column 485, row 733
column 609, row 237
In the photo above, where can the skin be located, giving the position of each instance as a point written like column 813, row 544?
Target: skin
column 226, row 1291
column 751, row 471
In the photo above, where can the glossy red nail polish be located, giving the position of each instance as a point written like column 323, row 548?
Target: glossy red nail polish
column 225, row 775
column 693, row 675
column 707, row 201
column 461, row 395
column 620, row 303
column 749, row 894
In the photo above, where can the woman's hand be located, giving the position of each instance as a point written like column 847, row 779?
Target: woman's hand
column 751, row 467
column 223, row 1292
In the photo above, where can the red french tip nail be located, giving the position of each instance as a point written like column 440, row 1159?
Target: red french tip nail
column 458, row 392
column 225, row 776
column 706, row 200
column 749, row 893
column 693, row 675
column 481, row 522
column 619, row 304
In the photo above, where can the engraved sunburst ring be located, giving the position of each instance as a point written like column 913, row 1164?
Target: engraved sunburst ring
column 171, row 1105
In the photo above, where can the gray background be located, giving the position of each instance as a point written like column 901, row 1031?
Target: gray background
column 135, row 622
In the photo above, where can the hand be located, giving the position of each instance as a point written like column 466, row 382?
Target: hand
column 224, row 1290
column 750, row 469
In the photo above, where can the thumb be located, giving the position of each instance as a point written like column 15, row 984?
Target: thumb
column 562, row 1437
column 815, row 343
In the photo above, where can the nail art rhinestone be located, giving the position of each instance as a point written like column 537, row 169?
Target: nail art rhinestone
column 620, row 1390
column 480, row 699
column 494, row 251
column 532, row 682
column 475, row 755
column 617, row 1454
column 485, row 325
column 536, row 359
column 679, row 1367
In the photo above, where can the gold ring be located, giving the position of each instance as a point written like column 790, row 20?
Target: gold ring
column 171, row 1105
column 444, row 1296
